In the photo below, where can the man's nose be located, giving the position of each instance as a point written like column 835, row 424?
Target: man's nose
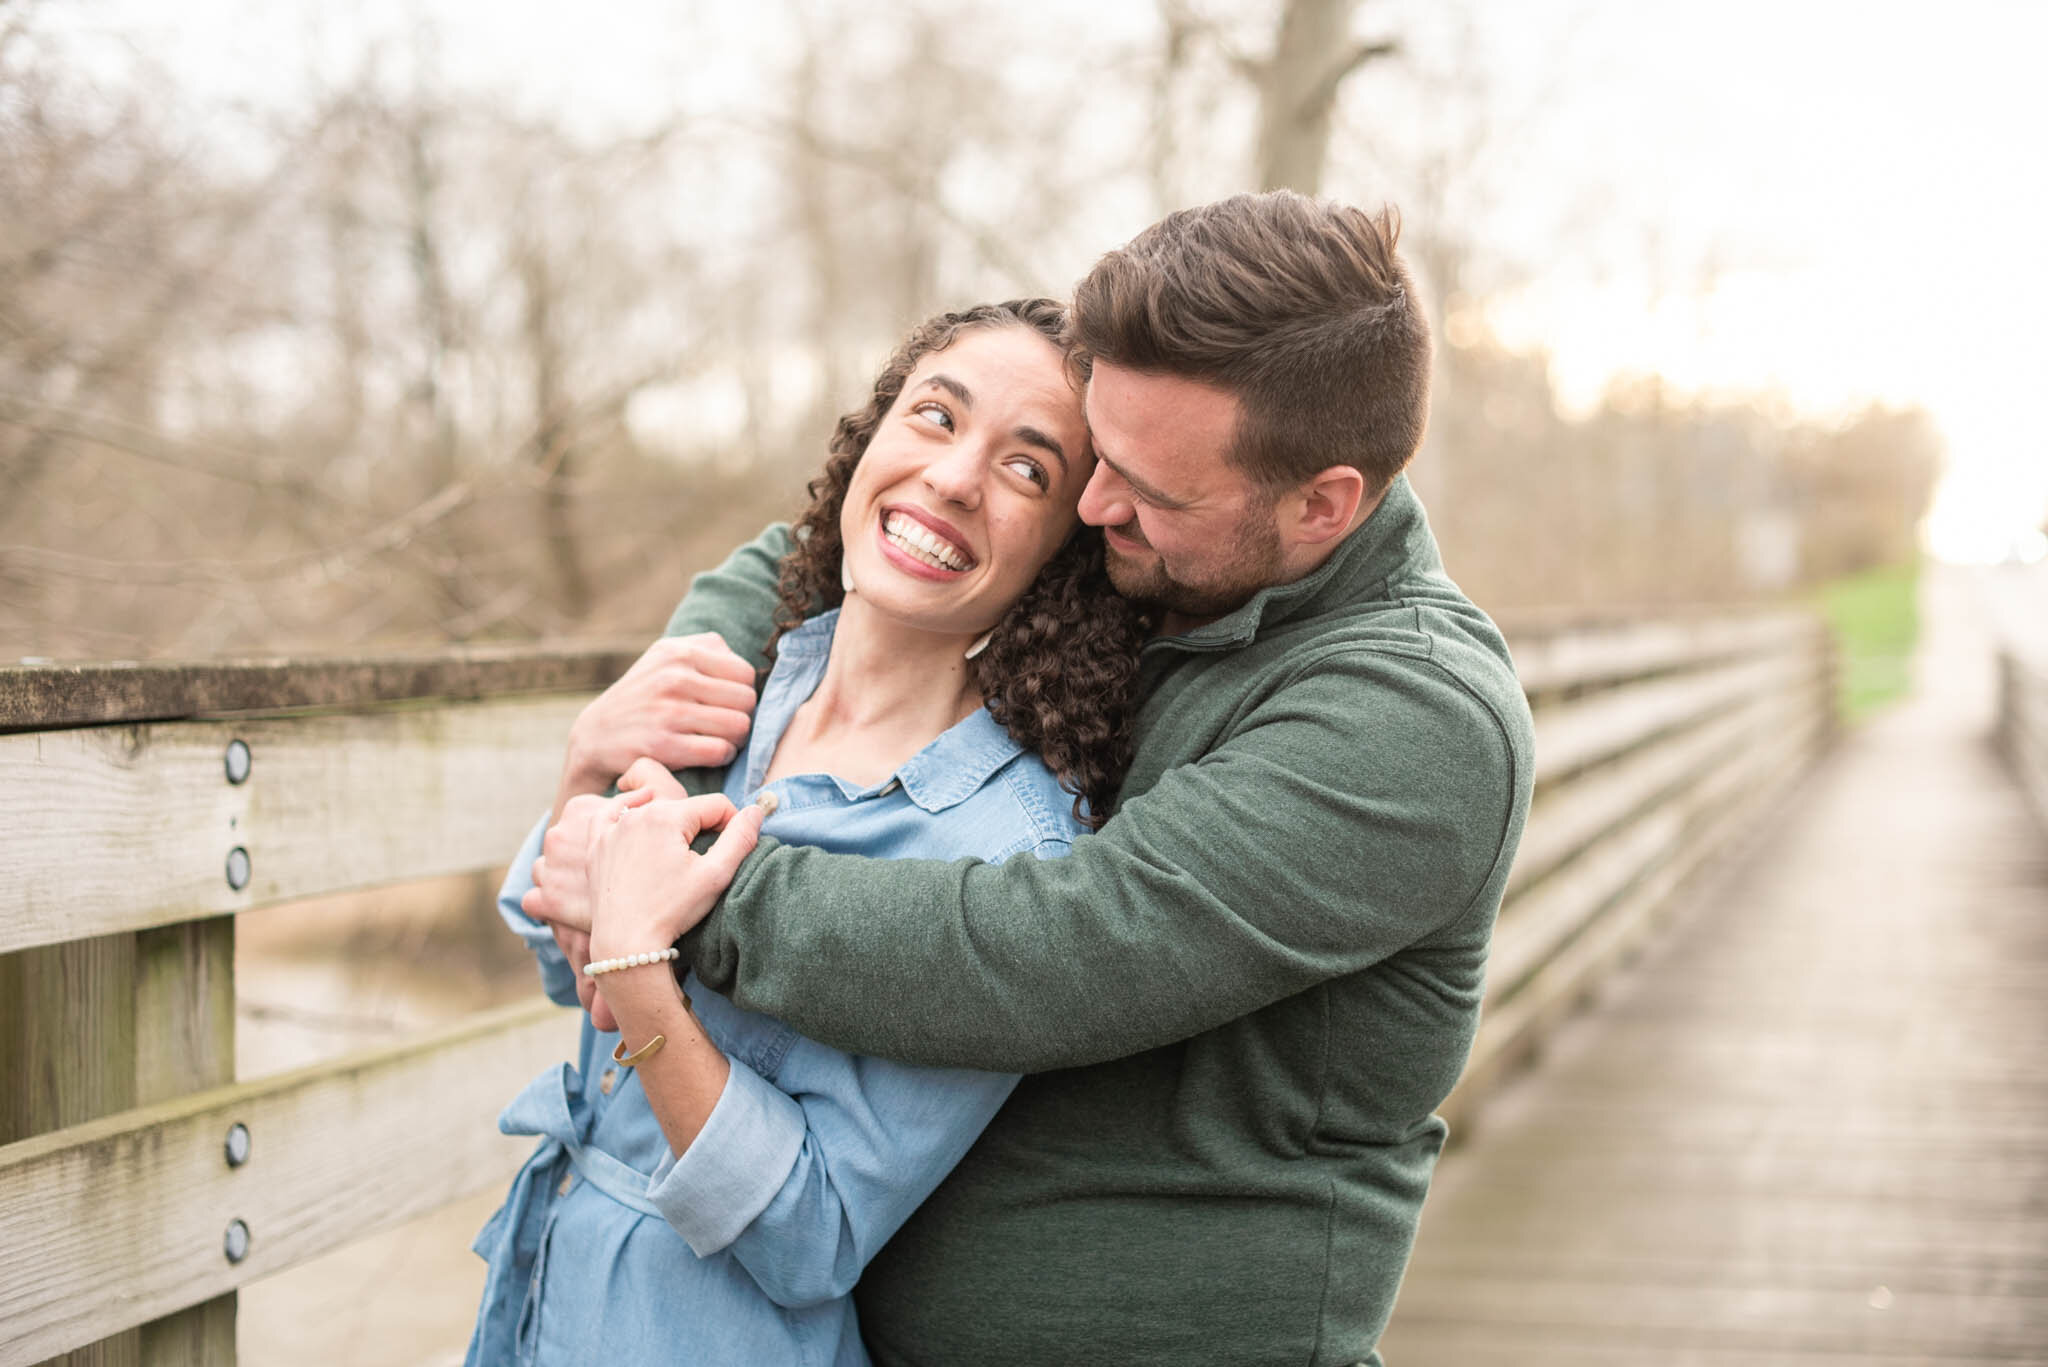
column 1106, row 499
column 956, row 476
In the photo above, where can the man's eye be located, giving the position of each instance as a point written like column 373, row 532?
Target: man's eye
column 1031, row 470
column 936, row 414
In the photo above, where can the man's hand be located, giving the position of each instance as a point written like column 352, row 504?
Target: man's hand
column 651, row 776
column 575, row 947
column 560, row 894
column 688, row 701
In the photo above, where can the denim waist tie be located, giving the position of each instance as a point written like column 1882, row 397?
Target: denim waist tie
column 551, row 1107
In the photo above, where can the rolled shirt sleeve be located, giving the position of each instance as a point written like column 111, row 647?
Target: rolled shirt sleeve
column 738, row 1162
column 805, row 1178
column 557, row 979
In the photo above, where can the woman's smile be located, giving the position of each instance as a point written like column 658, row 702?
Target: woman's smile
column 920, row 544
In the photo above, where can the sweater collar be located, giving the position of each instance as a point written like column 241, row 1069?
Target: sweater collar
column 1391, row 545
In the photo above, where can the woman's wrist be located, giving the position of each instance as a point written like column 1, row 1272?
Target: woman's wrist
column 598, row 967
column 641, row 989
column 684, row 1076
column 651, row 937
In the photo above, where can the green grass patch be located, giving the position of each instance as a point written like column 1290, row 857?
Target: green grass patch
column 1876, row 619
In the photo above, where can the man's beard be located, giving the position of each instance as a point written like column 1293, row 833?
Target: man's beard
column 1251, row 562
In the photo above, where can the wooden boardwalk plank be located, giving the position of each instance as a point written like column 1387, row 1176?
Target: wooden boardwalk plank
column 1811, row 1127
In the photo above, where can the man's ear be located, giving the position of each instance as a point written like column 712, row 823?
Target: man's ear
column 1328, row 504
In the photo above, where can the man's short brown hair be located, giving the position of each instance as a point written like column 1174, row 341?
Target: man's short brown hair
column 1299, row 307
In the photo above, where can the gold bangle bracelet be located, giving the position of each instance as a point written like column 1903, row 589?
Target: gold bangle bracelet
column 619, row 1054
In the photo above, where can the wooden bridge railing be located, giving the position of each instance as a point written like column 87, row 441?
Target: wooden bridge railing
column 2023, row 722
column 1655, row 743
column 146, row 807
column 140, row 1184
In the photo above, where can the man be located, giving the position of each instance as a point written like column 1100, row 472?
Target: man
column 1242, row 1000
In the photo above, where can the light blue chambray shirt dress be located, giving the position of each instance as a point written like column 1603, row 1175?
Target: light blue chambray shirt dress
column 610, row 1250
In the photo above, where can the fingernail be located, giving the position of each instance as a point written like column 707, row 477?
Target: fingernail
column 767, row 802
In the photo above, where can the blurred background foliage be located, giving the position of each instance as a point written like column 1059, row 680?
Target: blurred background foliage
column 403, row 362
column 1876, row 619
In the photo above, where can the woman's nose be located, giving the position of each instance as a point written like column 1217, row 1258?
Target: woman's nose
column 956, row 476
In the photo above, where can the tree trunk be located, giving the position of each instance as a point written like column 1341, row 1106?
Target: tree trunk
column 1298, row 86
column 553, row 453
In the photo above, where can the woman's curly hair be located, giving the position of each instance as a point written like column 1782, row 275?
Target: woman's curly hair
column 1060, row 671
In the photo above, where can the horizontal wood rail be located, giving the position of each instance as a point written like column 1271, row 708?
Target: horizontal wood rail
column 114, row 828
column 2023, row 722
column 147, row 805
column 45, row 697
column 1568, row 658
column 1647, row 764
column 125, row 1219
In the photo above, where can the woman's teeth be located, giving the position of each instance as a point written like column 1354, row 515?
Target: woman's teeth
column 909, row 535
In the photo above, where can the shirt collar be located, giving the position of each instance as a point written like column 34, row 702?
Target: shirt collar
column 1390, row 545
column 943, row 774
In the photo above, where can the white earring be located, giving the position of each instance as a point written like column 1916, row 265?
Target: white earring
column 845, row 574
column 981, row 643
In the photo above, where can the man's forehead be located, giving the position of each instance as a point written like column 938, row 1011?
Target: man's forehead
column 1167, row 436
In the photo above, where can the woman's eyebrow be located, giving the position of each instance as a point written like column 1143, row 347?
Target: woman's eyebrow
column 1030, row 436
column 953, row 387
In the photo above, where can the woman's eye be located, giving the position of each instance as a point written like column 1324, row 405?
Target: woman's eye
column 936, row 414
column 1031, row 470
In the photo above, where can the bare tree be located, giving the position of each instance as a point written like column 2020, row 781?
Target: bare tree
column 1298, row 83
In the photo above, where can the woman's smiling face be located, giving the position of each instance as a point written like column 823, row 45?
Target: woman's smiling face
column 969, row 484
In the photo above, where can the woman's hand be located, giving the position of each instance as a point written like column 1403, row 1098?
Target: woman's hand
column 646, row 888
column 687, row 701
column 646, row 885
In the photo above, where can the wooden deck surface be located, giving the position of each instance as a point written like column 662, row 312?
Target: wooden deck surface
column 1811, row 1127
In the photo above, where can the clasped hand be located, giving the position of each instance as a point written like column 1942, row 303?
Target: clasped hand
column 617, row 875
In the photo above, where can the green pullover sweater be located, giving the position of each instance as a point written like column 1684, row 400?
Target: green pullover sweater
column 1240, row 1002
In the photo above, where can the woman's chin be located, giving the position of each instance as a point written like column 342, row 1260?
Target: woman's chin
column 902, row 608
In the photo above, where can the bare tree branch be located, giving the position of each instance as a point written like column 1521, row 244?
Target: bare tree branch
column 889, row 169
column 325, row 564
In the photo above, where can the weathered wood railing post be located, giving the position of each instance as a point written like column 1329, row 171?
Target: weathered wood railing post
column 136, row 831
column 98, row 1026
column 2023, row 723
column 102, row 1025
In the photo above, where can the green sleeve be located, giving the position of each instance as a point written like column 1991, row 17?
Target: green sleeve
column 737, row 600
column 1368, row 803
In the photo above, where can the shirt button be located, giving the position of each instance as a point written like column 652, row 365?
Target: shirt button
column 887, row 788
column 608, row 1081
column 568, row 1181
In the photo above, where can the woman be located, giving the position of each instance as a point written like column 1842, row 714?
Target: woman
column 709, row 1184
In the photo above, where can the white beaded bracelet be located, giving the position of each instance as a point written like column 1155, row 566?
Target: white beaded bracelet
column 652, row 956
